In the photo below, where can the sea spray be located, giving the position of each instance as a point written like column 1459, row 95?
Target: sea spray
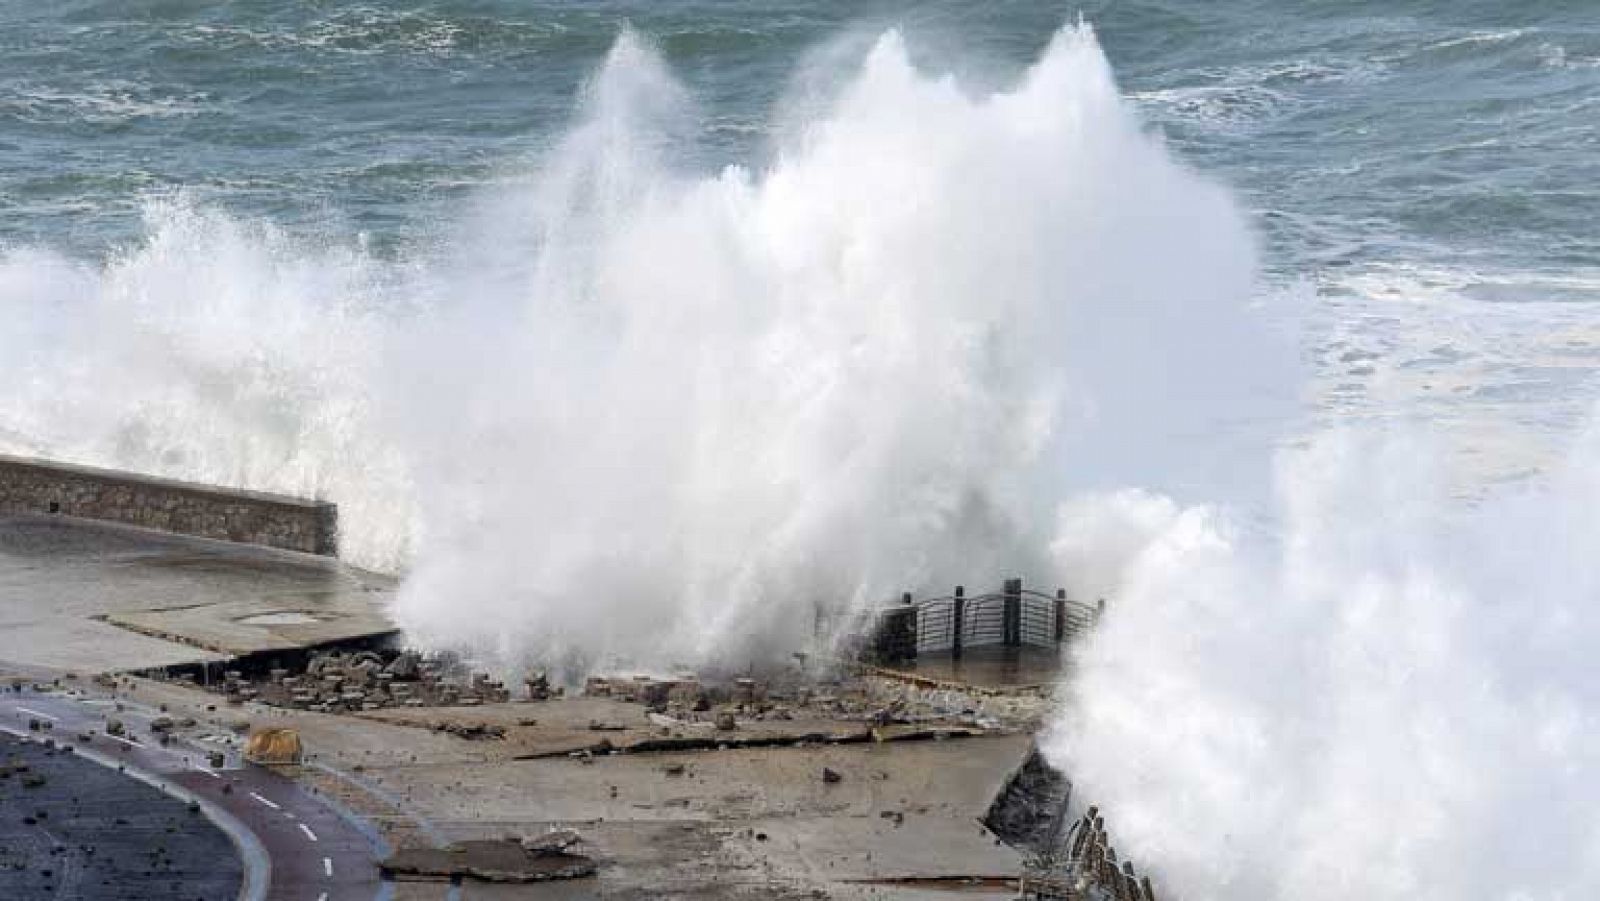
column 872, row 366
column 218, row 351
column 626, row 408
column 1390, row 697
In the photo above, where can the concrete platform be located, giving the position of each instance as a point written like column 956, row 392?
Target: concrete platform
column 990, row 668
column 95, row 597
column 742, row 823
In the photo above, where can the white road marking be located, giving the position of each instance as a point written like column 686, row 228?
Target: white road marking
column 43, row 716
column 208, row 771
column 131, row 744
column 307, row 830
column 327, row 865
column 264, row 800
column 323, row 897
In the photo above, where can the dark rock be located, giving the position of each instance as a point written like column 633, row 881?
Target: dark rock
column 1029, row 809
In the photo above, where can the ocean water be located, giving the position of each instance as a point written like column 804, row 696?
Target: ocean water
column 1425, row 168
column 1446, row 136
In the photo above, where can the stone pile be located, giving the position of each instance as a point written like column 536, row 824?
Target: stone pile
column 339, row 682
column 685, row 699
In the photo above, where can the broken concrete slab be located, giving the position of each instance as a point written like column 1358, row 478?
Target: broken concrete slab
column 486, row 860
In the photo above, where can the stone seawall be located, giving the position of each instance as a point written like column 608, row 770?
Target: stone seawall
column 30, row 485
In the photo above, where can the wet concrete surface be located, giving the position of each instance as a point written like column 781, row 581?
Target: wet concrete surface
column 65, row 584
column 990, row 667
column 87, row 832
column 713, row 824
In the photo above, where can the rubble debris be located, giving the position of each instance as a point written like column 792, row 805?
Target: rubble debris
column 345, row 682
column 538, row 685
column 471, row 731
column 831, row 776
column 552, row 841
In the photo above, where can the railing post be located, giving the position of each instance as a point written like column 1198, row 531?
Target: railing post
column 1011, row 616
column 958, row 614
column 913, row 628
column 1061, row 614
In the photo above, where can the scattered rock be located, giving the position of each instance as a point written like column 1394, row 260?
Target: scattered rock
column 472, row 731
column 831, row 776
column 555, row 840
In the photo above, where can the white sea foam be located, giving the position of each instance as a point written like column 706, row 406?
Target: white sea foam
column 869, row 368
column 1388, row 697
column 217, row 351
column 99, row 101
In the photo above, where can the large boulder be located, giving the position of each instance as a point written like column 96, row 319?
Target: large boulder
column 274, row 746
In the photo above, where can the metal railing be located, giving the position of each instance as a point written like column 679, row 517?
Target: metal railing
column 953, row 623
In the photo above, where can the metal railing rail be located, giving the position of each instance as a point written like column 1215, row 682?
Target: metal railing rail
column 953, row 623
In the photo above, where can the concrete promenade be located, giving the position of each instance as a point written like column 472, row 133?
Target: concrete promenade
column 86, row 596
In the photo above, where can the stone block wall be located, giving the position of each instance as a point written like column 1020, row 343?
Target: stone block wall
column 29, row 485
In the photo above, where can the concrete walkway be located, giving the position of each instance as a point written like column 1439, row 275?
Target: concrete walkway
column 66, row 585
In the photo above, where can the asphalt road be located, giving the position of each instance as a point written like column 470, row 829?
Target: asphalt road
column 295, row 845
column 71, row 828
